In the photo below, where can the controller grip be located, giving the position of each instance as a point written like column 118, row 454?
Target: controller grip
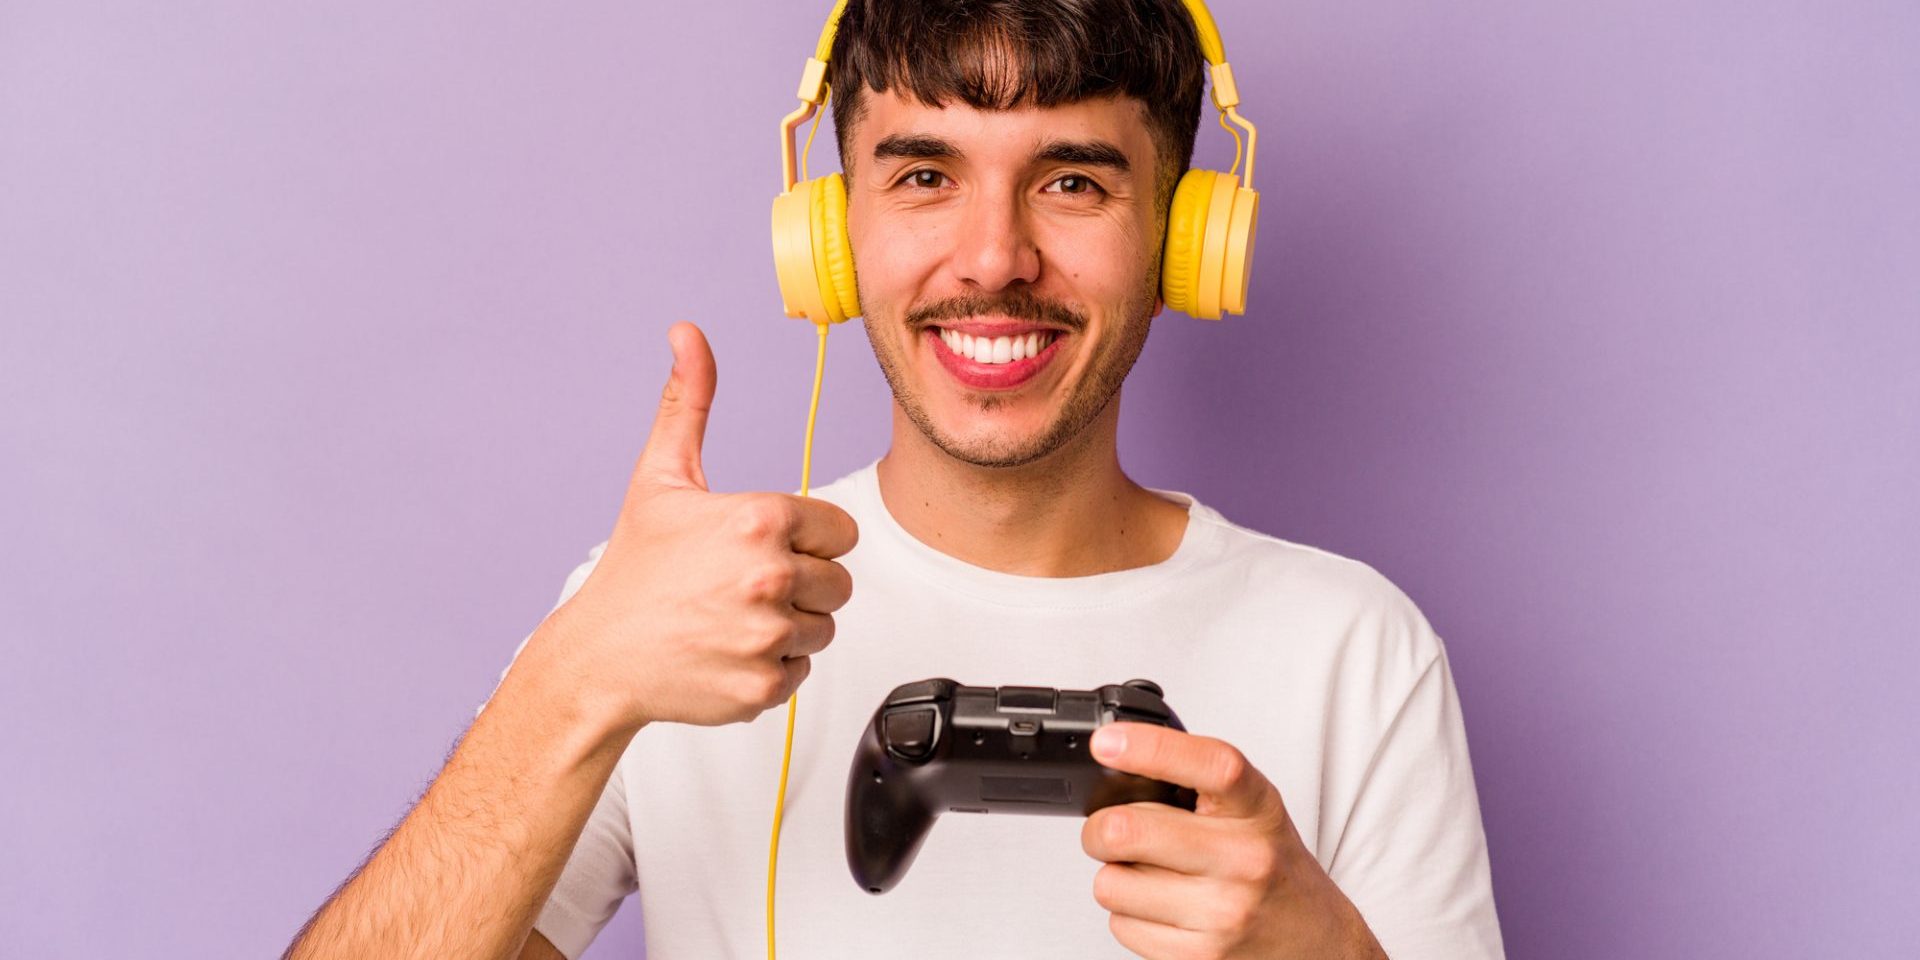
column 886, row 826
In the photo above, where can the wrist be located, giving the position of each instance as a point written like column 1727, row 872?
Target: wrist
column 1357, row 938
column 567, row 693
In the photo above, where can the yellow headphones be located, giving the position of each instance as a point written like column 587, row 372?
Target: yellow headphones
column 1209, row 245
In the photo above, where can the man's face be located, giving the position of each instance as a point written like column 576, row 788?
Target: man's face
column 1015, row 230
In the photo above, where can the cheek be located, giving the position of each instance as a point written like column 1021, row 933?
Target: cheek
column 889, row 262
column 1104, row 260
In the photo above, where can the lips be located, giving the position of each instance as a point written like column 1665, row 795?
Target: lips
column 958, row 350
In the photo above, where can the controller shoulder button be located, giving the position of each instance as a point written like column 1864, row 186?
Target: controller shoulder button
column 910, row 734
column 1127, row 698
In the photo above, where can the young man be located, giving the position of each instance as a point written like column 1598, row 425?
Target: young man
column 1010, row 165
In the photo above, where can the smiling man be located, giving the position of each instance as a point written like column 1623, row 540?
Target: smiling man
column 1009, row 164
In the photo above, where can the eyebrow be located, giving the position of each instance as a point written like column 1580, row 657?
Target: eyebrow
column 1086, row 153
column 914, row 147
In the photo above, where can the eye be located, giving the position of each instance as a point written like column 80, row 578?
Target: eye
column 924, row 179
column 1074, row 184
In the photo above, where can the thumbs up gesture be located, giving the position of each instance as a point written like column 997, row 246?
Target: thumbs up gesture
column 705, row 607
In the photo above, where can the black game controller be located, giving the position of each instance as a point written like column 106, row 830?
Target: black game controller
column 936, row 746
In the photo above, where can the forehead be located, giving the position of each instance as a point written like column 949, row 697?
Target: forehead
column 1015, row 133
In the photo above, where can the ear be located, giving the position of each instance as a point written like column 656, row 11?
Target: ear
column 1158, row 306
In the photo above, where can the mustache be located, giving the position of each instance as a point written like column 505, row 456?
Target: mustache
column 1020, row 305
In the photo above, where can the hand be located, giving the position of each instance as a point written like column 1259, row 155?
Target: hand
column 1229, row 879
column 705, row 607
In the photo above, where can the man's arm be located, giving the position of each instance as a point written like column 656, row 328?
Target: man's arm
column 703, row 608
column 539, row 948
column 468, row 870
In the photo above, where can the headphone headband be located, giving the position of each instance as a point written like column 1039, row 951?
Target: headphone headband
column 1211, row 48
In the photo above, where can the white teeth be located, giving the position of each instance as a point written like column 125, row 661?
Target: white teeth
column 996, row 350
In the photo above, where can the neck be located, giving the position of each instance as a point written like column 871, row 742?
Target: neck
column 1072, row 513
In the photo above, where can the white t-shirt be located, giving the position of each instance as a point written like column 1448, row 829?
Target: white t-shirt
column 1315, row 666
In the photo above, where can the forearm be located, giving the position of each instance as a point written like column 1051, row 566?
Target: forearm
column 468, row 869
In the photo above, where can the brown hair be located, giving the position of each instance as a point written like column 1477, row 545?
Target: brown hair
column 999, row 54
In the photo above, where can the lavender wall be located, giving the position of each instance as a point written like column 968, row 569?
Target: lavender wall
column 330, row 333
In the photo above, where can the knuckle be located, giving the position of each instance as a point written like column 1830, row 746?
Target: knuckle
column 1253, row 863
column 1230, row 912
column 759, row 517
column 1230, row 767
column 770, row 638
column 761, row 688
column 769, row 582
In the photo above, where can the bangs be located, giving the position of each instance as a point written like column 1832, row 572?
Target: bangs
column 1003, row 54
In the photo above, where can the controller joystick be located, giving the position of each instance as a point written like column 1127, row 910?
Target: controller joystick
column 935, row 746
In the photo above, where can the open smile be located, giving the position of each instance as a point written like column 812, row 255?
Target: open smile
column 989, row 358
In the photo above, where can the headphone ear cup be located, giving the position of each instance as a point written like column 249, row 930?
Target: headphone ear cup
column 1209, row 245
column 1239, row 253
column 834, row 255
column 811, row 255
column 1186, row 233
column 800, row 293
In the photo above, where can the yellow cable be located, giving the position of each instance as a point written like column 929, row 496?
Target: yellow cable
column 793, row 702
column 1237, row 145
column 816, row 129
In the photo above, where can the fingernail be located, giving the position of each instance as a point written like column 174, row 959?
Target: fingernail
column 1109, row 742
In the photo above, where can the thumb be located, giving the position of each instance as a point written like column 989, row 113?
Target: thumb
column 672, row 454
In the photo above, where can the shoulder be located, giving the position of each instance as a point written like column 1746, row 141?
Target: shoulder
column 1338, row 600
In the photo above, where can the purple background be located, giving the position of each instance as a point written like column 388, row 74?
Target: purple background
column 331, row 332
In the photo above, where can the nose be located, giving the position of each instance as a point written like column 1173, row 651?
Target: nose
column 995, row 245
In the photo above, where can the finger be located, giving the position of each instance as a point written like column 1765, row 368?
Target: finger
column 1156, row 941
column 811, row 634
column 822, row 529
column 822, row 586
column 1159, row 835
column 1151, row 893
column 1227, row 783
column 797, row 670
column 672, row 453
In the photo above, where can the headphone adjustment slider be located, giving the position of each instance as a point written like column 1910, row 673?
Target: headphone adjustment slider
column 813, row 80
column 1225, row 94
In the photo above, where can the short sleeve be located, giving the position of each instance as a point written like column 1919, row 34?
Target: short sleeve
column 599, row 875
column 1413, row 855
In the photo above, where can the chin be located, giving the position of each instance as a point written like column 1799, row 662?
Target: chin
column 988, row 446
